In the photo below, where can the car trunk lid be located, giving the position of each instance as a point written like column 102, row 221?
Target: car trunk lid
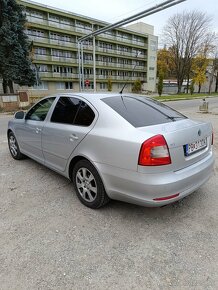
column 188, row 141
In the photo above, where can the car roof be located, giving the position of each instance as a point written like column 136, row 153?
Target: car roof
column 97, row 96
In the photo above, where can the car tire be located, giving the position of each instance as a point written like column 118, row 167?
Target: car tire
column 88, row 185
column 14, row 147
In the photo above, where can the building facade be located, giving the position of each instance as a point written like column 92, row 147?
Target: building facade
column 54, row 34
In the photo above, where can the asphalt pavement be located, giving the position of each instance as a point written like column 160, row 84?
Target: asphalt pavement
column 49, row 240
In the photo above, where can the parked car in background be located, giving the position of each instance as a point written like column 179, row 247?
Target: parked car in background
column 113, row 146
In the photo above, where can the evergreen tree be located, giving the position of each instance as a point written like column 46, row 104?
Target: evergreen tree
column 160, row 84
column 15, row 65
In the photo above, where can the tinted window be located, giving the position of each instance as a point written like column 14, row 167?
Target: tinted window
column 72, row 111
column 40, row 110
column 141, row 111
column 85, row 115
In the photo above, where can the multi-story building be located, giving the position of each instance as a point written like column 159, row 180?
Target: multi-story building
column 54, row 34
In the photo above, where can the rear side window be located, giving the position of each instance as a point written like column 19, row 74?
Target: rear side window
column 141, row 111
column 73, row 111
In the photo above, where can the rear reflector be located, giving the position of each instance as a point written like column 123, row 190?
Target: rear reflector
column 166, row 197
column 154, row 151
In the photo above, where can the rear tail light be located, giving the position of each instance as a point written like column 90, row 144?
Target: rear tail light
column 154, row 151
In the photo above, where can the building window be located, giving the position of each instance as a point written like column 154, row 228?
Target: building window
column 34, row 32
column 68, row 85
column 103, row 86
column 43, row 68
column 153, row 45
column 152, row 58
column 151, row 68
column 40, row 50
column 42, row 86
column 54, row 36
column 60, row 86
column 36, row 14
column 65, row 21
column 151, row 79
column 54, row 17
column 64, row 85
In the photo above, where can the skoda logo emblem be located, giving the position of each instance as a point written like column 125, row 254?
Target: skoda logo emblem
column 199, row 132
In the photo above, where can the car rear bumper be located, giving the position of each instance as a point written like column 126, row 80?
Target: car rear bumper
column 142, row 189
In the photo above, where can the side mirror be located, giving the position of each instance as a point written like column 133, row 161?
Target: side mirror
column 19, row 115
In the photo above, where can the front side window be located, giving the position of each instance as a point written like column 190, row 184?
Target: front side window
column 40, row 110
column 72, row 111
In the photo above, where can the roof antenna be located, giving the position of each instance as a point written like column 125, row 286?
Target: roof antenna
column 138, row 53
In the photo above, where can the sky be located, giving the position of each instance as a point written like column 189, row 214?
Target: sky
column 115, row 10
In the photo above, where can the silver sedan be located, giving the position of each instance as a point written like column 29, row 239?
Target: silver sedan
column 115, row 146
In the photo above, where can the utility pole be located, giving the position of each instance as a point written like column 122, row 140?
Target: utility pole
column 94, row 65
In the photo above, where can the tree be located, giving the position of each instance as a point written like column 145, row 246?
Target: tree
column 199, row 67
column 214, row 72
column 192, row 87
column 160, row 84
column 137, row 87
column 109, row 85
column 184, row 34
column 165, row 65
column 15, row 65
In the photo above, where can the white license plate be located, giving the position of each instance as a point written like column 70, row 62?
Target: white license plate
column 195, row 146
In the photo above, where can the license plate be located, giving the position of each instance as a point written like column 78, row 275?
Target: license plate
column 195, row 146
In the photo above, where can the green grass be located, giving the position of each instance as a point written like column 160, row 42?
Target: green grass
column 184, row 97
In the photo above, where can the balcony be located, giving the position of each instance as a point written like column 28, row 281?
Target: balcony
column 59, row 25
column 42, row 57
column 83, row 30
column 114, row 51
column 119, row 78
column 58, row 75
column 62, row 43
column 109, row 36
column 64, row 59
column 37, row 20
column 45, row 57
column 38, row 39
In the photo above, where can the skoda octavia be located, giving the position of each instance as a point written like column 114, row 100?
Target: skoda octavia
column 115, row 146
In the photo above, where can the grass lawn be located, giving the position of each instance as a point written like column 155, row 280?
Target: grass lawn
column 184, row 97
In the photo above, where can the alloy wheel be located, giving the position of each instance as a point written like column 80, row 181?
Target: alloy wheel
column 86, row 184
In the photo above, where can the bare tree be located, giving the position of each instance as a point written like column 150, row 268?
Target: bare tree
column 184, row 34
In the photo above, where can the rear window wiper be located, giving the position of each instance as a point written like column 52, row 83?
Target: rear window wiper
column 175, row 117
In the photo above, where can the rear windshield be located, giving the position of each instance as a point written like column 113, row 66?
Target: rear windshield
column 142, row 111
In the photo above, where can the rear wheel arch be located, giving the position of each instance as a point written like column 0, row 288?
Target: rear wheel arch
column 73, row 162
column 101, row 195
column 9, row 131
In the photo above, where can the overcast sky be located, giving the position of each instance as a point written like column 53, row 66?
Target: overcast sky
column 114, row 10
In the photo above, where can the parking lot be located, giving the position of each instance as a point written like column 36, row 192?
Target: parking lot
column 49, row 240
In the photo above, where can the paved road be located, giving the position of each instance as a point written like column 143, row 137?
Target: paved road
column 48, row 240
column 193, row 105
column 3, row 123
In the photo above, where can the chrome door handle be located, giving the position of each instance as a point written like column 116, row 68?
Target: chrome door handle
column 73, row 137
column 38, row 130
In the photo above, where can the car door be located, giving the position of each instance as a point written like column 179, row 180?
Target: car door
column 30, row 132
column 70, row 122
